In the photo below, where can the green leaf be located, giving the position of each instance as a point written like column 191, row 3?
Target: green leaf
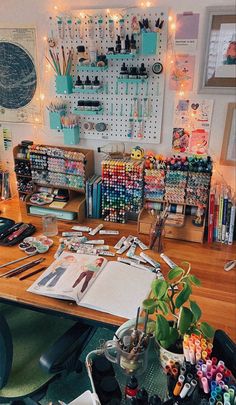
column 175, row 272
column 163, row 307
column 194, row 280
column 149, row 305
column 185, row 320
column 183, row 296
column 162, row 328
column 197, row 313
column 207, row 330
column 159, row 288
column 173, row 336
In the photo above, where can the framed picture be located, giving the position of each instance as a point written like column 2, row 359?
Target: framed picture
column 228, row 150
column 218, row 64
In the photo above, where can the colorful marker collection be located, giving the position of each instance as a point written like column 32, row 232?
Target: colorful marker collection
column 122, row 188
column 57, row 166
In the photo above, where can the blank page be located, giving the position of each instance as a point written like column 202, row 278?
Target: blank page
column 119, row 290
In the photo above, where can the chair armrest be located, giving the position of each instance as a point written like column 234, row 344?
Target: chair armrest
column 66, row 349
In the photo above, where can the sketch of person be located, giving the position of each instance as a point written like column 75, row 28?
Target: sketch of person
column 56, row 273
column 88, row 272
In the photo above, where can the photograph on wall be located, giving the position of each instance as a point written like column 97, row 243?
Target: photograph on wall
column 182, row 73
column 192, row 121
column 226, row 52
column 18, row 76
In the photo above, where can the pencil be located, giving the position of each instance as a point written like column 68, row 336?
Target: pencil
column 64, row 59
column 33, row 273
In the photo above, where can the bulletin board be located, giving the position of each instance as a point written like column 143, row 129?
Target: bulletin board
column 116, row 100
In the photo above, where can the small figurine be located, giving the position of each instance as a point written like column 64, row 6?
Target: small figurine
column 137, row 153
column 150, row 160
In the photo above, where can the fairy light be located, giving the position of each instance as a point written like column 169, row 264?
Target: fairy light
column 148, row 4
column 173, row 26
column 45, row 38
column 82, row 15
column 55, row 8
column 115, row 17
column 42, row 96
column 170, row 18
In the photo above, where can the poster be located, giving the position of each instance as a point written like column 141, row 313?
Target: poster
column 18, row 76
column 191, row 128
column 182, row 73
column 186, row 32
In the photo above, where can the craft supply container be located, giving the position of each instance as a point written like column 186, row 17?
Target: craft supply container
column 55, row 119
column 149, row 43
column 64, row 84
column 71, row 135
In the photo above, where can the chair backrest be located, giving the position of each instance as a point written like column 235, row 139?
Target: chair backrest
column 6, row 351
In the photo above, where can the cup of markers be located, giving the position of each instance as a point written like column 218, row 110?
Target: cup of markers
column 33, row 245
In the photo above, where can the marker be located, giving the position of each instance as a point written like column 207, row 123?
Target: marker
column 168, row 261
column 131, row 250
column 120, row 243
column 136, row 257
column 106, row 253
column 133, row 263
column 108, row 232
column 150, row 260
column 95, row 242
column 185, row 390
column 123, row 248
column 96, row 230
column 68, row 234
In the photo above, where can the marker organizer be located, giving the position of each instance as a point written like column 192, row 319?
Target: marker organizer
column 175, row 186
column 154, row 188
column 55, row 166
column 122, row 189
column 197, row 190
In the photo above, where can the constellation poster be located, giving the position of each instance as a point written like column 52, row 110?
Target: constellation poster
column 192, row 122
column 182, row 72
column 18, row 76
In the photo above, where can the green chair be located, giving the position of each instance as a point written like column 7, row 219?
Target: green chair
column 36, row 348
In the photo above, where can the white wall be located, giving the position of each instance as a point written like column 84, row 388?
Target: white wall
column 36, row 13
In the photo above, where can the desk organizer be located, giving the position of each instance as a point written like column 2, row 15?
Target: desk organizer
column 149, row 43
column 55, row 119
column 71, row 136
column 64, row 84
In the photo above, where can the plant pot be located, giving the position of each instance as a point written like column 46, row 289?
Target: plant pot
column 165, row 355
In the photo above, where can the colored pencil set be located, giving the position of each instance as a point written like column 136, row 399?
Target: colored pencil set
column 64, row 67
column 122, row 188
column 221, row 215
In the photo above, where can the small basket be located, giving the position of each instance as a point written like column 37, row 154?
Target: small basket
column 154, row 380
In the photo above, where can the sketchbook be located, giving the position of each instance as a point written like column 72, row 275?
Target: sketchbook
column 95, row 283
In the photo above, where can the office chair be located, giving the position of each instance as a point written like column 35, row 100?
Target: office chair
column 36, row 348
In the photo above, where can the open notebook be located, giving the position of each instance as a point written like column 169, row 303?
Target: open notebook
column 96, row 283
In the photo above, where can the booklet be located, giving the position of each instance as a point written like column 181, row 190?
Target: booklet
column 94, row 282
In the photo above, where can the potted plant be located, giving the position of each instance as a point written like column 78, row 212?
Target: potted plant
column 176, row 313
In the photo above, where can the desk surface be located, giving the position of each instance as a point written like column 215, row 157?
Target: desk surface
column 216, row 296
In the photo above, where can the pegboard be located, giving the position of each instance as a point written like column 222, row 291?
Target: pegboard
column 117, row 104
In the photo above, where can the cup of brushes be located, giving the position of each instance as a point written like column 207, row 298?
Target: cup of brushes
column 64, row 83
column 70, row 129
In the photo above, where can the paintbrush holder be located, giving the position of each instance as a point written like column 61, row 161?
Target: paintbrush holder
column 149, row 43
column 157, row 237
column 71, row 135
column 64, row 84
column 55, row 119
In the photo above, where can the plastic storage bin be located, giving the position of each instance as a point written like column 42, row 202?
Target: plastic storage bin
column 71, row 136
column 64, row 84
column 149, row 43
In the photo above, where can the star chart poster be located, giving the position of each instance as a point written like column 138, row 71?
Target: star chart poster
column 18, row 76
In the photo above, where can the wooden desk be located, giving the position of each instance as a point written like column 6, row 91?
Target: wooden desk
column 216, row 296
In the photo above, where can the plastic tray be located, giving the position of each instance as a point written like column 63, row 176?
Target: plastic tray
column 153, row 380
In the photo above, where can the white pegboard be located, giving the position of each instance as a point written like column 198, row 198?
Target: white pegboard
column 116, row 103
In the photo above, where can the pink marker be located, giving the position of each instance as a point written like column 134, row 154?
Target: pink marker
column 220, row 369
column 204, row 369
column 213, row 370
column 205, row 385
column 209, row 365
column 200, row 376
column 214, row 360
column 219, row 377
column 209, row 376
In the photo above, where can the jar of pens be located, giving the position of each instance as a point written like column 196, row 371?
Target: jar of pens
column 62, row 69
column 70, row 129
column 129, row 348
column 157, row 231
column 57, row 109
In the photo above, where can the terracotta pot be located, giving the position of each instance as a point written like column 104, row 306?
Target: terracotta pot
column 165, row 355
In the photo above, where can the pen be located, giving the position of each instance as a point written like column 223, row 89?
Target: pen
column 33, row 273
column 17, row 260
column 20, row 269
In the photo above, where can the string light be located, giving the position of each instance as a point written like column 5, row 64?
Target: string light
column 148, row 4
column 170, row 18
column 173, row 26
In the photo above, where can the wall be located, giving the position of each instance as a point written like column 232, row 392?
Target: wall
column 36, row 13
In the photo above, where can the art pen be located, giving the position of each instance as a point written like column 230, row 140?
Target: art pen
column 20, row 269
column 136, row 257
column 108, row 232
column 134, row 264
column 81, row 228
column 141, row 244
column 68, row 234
column 33, row 273
column 123, row 248
column 168, row 261
column 119, row 244
column 17, row 260
column 95, row 242
column 106, row 253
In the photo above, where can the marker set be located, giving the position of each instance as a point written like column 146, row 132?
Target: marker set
column 197, row 190
column 122, row 189
column 154, row 187
column 57, row 166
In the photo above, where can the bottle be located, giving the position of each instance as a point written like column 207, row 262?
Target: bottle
column 88, row 83
column 81, row 54
column 131, row 388
column 142, row 397
column 118, row 44
column 133, row 48
column 79, row 83
column 96, row 83
column 92, row 50
column 127, row 44
column 113, row 149
column 124, row 72
column 143, row 72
